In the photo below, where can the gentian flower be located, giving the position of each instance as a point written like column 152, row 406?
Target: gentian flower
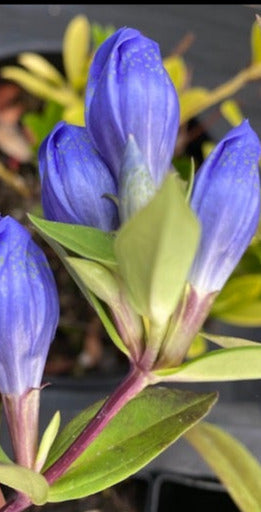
column 226, row 200
column 74, row 180
column 132, row 119
column 129, row 92
column 29, row 309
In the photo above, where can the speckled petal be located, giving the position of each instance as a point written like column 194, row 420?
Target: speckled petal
column 29, row 309
column 74, row 180
column 130, row 92
column 226, row 199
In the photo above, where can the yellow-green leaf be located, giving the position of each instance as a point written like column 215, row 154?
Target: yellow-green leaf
column 76, row 43
column 256, row 42
column 38, row 86
column 231, row 112
column 198, row 347
column 47, row 440
column 229, row 341
column 155, row 249
column 239, row 363
column 177, row 70
column 192, row 101
column 41, row 67
column 232, row 462
column 240, row 301
column 34, row 485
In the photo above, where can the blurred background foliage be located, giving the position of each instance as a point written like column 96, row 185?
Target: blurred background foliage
column 58, row 92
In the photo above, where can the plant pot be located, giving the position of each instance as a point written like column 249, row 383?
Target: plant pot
column 179, row 491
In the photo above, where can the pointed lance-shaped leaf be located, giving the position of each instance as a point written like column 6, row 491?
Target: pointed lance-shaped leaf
column 29, row 309
column 155, row 249
column 74, row 180
column 226, row 199
column 130, row 92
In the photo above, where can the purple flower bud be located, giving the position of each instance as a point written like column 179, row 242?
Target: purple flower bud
column 74, row 180
column 29, row 309
column 130, row 93
column 226, row 199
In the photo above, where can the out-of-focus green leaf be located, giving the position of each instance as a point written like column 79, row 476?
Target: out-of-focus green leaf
column 76, row 44
column 198, row 347
column 74, row 114
column 38, row 86
column 231, row 112
column 231, row 461
column 195, row 100
column 155, row 249
column 206, row 148
column 191, row 100
column 41, row 67
column 41, row 123
column 255, row 42
column 228, row 341
column 141, row 430
column 240, row 363
column 240, row 301
column 99, row 34
column 26, row 481
column 88, row 242
column 177, row 70
column 4, row 459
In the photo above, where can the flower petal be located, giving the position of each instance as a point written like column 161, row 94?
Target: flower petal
column 74, row 180
column 130, row 92
column 29, row 309
column 226, row 199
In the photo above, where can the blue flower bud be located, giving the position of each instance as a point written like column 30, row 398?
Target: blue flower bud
column 130, row 92
column 29, row 309
column 74, row 180
column 226, row 199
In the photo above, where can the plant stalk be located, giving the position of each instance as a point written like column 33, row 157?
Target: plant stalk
column 131, row 386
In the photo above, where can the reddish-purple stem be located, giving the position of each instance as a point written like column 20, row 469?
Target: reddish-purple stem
column 135, row 382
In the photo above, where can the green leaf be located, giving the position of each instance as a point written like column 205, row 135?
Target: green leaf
column 47, row 440
column 97, row 278
column 26, row 481
column 104, row 317
column 4, row 457
column 234, row 465
column 155, row 249
column 88, row 242
column 228, row 341
column 141, row 430
column 240, row 363
column 93, row 300
column 41, row 123
column 197, row 347
column 99, row 34
column 240, row 301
